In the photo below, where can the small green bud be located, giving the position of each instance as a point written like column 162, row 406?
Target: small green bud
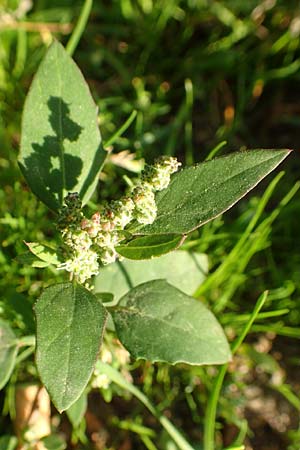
column 158, row 176
column 78, row 240
column 70, row 214
column 122, row 212
column 72, row 200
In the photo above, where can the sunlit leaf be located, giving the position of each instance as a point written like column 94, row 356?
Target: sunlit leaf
column 61, row 145
column 157, row 322
column 200, row 193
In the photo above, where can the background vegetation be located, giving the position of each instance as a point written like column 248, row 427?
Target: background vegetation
column 202, row 75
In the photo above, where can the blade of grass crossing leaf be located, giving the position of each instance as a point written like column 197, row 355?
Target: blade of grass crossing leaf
column 25, row 354
column 80, row 27
column 279, row 329
column 241, row 436
column 118, row 378
column 287, row 392
column 254, row 243
column 229, row 318
column 211, row 410
column 257, row 241
column 215, row 150
column 21, row 53
column 176, row 129
column 121, row 130
column 148, row 443
column 232, row 257
column 188, row 129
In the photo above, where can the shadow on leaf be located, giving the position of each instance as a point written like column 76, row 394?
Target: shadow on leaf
column 55, row 169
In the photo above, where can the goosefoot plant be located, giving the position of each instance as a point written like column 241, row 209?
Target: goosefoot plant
column 61, row 157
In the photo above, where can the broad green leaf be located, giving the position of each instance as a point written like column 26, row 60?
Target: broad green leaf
column 147, row 247
column 76, row 412
column 200, row 193
column 70, row 324
column 183, row 269
column 8, row 352
column 60, row 145
column 157, row 322
column 45, row 253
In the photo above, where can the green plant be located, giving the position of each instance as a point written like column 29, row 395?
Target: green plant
column 61, row 157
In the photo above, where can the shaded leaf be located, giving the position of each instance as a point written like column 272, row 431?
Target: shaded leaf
column 200, row 193
column 70, row 324
column 8, row 352
column 147, row 247
column 60, row 145
column 183, row 269
column 157, row 322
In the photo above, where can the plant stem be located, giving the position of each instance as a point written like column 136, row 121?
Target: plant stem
column 211, row 410
column 80, row 27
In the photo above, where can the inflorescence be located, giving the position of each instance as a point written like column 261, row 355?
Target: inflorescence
column 90, row 243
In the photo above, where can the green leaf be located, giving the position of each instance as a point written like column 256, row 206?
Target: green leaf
column 54, row 442
column 45, row 253
column 76, row 412
column 183, row 269
column 70, row 324
column 8, row 442
column 29, row 259
column 8, row 352
column 157, row 322
column 60, row 145
column 147, row 247
column 198, row 194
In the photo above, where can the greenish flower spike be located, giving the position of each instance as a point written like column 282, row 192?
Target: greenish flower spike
column 158, row 176
column 90, row 243
column 145, row 207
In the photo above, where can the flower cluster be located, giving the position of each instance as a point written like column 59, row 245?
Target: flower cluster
column 91, row 242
